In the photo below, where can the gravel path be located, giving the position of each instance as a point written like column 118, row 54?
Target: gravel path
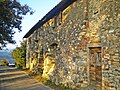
column 14, row 79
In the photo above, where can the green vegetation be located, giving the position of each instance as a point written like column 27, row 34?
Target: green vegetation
column 52, row 84
column 58, row 87
column 11, row 15
column 19, row 54
column 48, row 82
column 4, row 62
column 1, row 0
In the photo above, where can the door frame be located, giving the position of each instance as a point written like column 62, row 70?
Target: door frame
column 92, row 45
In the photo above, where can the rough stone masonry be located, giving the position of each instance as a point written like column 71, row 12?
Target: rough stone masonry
column 80, row 46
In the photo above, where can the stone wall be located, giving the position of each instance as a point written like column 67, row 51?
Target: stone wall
column 72, row 51
column 104, row 23
column 62, row 44
column 110, row 40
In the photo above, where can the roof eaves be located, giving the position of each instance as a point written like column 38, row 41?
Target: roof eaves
column 59, row 7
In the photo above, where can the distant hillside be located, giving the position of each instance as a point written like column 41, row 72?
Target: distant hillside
column 7, row 55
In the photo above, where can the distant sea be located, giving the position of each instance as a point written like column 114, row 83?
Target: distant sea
column 7, row 55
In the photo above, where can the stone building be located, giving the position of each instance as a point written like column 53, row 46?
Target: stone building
column 77, row 44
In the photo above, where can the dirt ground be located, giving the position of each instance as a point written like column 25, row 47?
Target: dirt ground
column 14, row 79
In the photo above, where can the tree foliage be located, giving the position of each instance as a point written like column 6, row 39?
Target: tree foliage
column 11, row 15
column 19, row 54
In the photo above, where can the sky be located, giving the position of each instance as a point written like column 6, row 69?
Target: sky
column 41, row 8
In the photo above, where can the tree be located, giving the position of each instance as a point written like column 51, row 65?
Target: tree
column 19, row 54
column 11, row 15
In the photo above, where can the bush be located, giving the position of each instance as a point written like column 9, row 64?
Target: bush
column 4, row 62
column 19, row 54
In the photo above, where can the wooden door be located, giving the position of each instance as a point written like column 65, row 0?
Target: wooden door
column 95, row 68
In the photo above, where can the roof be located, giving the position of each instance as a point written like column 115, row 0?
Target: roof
column 56, row 10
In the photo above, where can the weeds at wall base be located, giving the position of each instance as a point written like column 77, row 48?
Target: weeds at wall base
column 58, row 87
column 47, row 82
column 52, row 84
